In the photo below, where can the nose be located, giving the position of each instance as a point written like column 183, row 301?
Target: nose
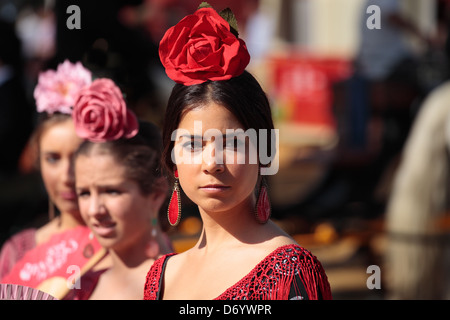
column 68, row 174
column 213, row 159
column 96, row 208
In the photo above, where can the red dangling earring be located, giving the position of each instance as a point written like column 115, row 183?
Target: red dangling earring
column 174, row 210
column 263, row 208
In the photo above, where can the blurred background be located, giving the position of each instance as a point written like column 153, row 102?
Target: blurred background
column 347, row 84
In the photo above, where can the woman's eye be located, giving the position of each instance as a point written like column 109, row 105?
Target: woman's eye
column 192, row 145
column 233, row 143
column 230, row 144
column 51, row 158
column 113, row 192
column 83, row 194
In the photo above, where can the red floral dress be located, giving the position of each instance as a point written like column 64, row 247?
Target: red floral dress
column 288, row 273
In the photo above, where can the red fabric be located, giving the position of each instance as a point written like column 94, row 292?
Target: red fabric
column 88, row 283
column 15, row 248
column 274, row 278
column 52, row 258
column 201, row 47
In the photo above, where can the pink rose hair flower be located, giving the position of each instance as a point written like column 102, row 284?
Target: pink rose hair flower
column 100, row 113
column 57, row 91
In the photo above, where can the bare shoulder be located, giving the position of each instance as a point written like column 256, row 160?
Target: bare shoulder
column 278, row 237
column 176, row 261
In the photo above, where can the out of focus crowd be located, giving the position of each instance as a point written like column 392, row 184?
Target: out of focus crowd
column 364, row 137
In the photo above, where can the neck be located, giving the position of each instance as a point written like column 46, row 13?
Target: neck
column 232, row 228
column 135, row 254
column 69, row 220
column 123, row 262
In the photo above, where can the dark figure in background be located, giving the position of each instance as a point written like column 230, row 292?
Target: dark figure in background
column 104, row 44
column 16, row 124
column 15, row 113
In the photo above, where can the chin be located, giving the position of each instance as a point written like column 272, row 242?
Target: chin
column 69, row 206
column 107, row 243
column 216, row 207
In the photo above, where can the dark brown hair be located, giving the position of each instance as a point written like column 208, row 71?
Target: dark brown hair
column 242, row 96
column 140, row 155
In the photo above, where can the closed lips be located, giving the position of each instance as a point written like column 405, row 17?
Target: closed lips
column 214, row 186
column 68, row 195
column 104, row 229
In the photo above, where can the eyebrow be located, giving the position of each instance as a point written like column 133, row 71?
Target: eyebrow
column 193, row 136
column 106, row 185
column 49, row 152
column 190, row 136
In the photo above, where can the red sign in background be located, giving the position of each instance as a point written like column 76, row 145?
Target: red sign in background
column 301, row 88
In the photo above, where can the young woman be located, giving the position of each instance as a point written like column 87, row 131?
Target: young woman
column 55, row 141
column 120, row 192
column 241, row 254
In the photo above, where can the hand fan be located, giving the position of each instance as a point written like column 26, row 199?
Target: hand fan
column 18, row 292
column 48, row 266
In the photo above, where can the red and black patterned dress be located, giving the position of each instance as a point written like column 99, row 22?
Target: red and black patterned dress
column 288, row 273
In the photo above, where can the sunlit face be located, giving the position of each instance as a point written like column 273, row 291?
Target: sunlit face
column 220, row 176
column 111, row 204
column 57, row 146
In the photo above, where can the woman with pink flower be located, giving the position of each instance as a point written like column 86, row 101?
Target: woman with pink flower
column 120, row 191
column 89, row 133
column 55, row 141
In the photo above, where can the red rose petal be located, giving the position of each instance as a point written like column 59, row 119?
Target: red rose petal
column 100, row 113
column 201, row 47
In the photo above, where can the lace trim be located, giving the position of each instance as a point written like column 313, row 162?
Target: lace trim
column 154, row 278
column 280, row 276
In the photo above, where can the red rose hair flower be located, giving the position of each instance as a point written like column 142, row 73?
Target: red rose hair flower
column 100, row 113
column 201, row 47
